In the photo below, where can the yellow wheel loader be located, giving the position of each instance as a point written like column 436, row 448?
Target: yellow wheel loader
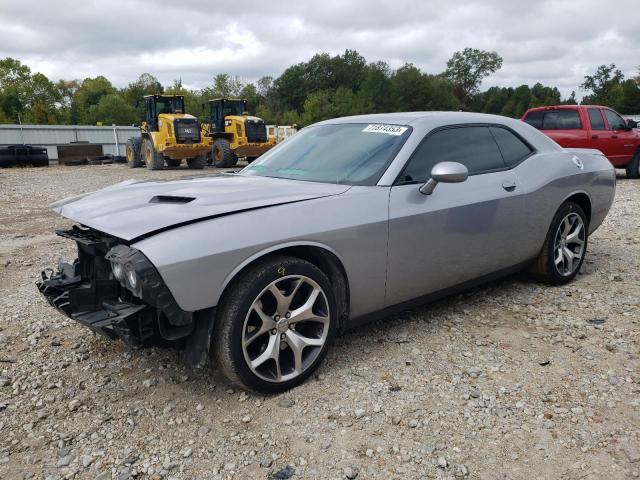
column 167, row 136
column 234, row 133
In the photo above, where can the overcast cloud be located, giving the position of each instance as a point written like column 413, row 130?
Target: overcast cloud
column 553, row 42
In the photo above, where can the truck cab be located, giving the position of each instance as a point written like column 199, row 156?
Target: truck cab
column 234, row 133
column 591, row 126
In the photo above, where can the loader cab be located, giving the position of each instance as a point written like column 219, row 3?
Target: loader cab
column 220, row 108
column 158, row 104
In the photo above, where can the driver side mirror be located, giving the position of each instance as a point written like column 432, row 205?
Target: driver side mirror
column 632, row 124
column 445, row 172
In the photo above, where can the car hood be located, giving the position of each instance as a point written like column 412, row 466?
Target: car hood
column 133, row 209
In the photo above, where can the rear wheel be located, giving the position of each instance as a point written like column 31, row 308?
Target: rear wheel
column 276, row 325
column 173, row 162
column 565, row 246
column 223, row 157
column 134, row 158
column 153, row 159
column 633, row 169
column 197, row 163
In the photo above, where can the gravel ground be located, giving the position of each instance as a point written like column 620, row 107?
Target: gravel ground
column 514, row 380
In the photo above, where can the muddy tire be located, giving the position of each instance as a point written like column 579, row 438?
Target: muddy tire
column 153, row 159
column 134, row 156
column 274, row 325
column 223, row 157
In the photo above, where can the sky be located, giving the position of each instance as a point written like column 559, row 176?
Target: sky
column 556, row 43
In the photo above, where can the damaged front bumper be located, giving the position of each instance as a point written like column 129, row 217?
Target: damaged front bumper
column 115, row 291
column 75, row 298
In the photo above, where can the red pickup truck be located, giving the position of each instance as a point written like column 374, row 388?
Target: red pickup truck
column 591, row 126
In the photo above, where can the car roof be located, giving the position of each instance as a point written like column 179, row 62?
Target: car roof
column 423, row 122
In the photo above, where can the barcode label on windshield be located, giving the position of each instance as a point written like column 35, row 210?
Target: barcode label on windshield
column 388, row 129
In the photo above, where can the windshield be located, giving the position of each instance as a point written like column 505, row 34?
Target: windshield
column 348, row 153
column 233, row 107
column 169, row 105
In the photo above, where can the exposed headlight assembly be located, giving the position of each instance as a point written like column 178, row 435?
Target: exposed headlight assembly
column 137, row 274
column 124, row 262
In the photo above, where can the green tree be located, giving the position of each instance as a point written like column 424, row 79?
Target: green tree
column 416, row 91
column 89, row 94
column 625, row 97
column 602, row 85
column 467, row 69
column 376, row 91
column 112, row 109
column 15, row 79
column 146, row 84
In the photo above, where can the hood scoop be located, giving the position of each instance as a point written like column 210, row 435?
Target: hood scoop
column 171, row 199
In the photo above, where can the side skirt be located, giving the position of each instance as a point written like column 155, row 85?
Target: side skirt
column 432, row 297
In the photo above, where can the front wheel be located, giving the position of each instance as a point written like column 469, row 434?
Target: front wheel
column 276, row 324
column 153, row 159
column 633, row 169
column 565, row 246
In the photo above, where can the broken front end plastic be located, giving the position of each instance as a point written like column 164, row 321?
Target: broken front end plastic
column 114, row 289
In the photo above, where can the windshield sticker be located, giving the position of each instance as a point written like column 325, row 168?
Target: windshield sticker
column 388, row 129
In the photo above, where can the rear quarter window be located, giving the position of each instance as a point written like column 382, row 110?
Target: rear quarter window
column 512, row 147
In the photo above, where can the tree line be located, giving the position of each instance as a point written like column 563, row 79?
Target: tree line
column 323, row 87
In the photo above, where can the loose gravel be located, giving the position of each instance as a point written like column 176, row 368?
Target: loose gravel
column 513, row 380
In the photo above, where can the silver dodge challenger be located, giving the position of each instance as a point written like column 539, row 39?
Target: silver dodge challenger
column 348, row 220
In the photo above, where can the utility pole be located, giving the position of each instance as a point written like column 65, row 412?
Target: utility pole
column 21, row 130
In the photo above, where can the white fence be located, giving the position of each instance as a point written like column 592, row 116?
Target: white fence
column 112, row 139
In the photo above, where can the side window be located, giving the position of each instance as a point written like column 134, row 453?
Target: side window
column 513, row 149
column 534, row 119
column 561, row 120
column 474, row 147
column 595, row 119
column 615, row 121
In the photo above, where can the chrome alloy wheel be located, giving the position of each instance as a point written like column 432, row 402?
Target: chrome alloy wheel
column 285, row 328
column 569, row 244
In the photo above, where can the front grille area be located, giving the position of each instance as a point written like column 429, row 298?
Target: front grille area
column 187, row 130
column 256, row 131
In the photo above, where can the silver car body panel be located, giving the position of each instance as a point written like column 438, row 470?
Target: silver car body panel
column 394, row 243
column 134, row 209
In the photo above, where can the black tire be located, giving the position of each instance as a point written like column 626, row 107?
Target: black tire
column 173, row 162
column 197, row 163
column 222, row 155
column 153, row 159
column 134, row 156
column 234, row 307
column 544, row 268
column 633, row 169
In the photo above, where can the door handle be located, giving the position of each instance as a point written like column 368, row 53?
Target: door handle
column 614, row 136
column 594, row 137
column 509, row 185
